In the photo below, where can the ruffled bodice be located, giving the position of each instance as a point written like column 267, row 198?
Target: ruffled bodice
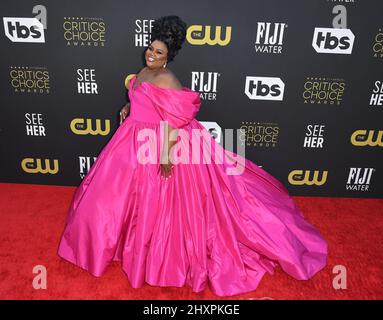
column 151, row 103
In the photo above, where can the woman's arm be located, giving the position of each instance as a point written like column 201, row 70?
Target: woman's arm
column 124, row 112
column 168, row 80
column 170, row 135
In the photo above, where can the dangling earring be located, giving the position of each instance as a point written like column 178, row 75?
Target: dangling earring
column 164, row 65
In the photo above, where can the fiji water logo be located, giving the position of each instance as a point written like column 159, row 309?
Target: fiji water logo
column 359, row 179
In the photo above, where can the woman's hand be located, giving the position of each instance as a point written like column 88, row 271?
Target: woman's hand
column 124, row 112
column 166, row 170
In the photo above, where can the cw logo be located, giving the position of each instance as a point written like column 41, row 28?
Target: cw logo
column 127, row 80
column 31, row 165
column 78, row 126
column 205, row 37
column 360, row 138
column 301, row 177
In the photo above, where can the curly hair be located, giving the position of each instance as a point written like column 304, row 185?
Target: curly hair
column 172, row 31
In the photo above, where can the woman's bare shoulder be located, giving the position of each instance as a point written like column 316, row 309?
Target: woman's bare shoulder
column 167, row 79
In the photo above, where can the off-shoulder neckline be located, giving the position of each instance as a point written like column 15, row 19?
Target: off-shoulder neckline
column 183, row 88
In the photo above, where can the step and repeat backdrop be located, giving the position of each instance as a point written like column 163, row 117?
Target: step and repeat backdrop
column 299, row 82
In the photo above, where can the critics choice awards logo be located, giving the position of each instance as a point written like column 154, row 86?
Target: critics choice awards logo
column 259, row 134
column 29, row 79
column 377, row 46
column 323, row 90
column 84, row 32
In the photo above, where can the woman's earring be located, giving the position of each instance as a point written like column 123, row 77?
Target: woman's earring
column 164, row 65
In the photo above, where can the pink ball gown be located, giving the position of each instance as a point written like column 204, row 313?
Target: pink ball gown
column 201, row 227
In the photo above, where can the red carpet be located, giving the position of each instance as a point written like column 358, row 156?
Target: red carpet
column 32, row 218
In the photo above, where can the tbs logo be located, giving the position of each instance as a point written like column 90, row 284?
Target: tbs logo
column 264, row 88
column 331, row 40
column 214, row 129
column 24, row 30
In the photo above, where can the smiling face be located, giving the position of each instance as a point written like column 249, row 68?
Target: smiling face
column 156, row 55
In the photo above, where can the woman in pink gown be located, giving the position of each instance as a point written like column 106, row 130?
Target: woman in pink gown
column 196, row 226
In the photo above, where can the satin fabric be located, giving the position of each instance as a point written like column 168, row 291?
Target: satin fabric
column 200, row 227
